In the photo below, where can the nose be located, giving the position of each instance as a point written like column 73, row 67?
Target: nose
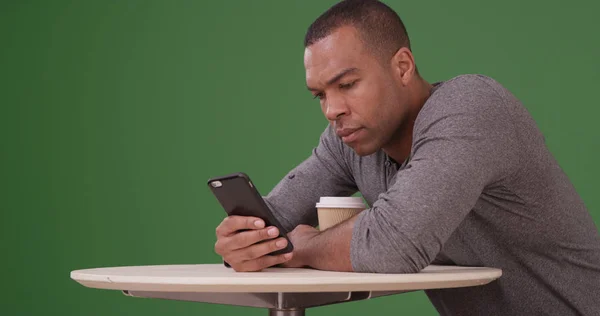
column 335, row 108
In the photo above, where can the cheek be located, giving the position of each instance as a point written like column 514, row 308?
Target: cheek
column 385, row 112
column 367, row 103
column 381, row 108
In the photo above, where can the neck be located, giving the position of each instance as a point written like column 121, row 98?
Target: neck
column 400, row 146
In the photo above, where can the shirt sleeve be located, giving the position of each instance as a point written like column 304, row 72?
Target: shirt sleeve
column 463, row 141
column 324, row 173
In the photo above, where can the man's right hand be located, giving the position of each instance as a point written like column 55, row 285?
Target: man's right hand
column 240, row 250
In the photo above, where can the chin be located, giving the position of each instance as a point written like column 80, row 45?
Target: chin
column 363, row 149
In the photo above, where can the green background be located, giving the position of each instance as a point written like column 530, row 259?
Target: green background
column 115, row 113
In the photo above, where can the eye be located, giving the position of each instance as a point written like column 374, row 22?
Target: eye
column 320, row 96
column 345, row 86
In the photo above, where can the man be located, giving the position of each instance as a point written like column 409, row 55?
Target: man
column 455, row 173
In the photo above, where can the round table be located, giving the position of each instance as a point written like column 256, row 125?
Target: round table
column 284, row 291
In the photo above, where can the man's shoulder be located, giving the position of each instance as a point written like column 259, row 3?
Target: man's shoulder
column 465, row 101
column 466, row 83
column 468, row 92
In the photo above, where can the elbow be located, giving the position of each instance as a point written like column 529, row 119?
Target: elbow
column 394, row 256
column 403, row 268
column 393, row 264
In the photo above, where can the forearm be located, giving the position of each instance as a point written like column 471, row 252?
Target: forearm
column 323, row 173
column 330, row 249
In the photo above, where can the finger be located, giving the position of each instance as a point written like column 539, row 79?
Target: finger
column 248, row 238
column 263, row 262
column 238, row 241
column 259, row 250
column 233, row 223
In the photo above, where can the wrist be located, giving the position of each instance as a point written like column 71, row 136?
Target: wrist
column 309, row 253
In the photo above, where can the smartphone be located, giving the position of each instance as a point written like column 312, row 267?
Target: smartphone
column 238, row 196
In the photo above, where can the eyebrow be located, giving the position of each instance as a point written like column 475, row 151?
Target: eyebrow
column 337, row 77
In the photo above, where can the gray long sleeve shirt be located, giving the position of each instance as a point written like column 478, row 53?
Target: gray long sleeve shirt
column 480, row 188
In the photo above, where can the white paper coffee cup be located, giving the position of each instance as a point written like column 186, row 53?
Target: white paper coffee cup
column 332, row 210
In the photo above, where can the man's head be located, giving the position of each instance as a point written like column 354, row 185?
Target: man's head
column 359, row 64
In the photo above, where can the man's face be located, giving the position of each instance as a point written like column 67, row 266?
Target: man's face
column 358, row 92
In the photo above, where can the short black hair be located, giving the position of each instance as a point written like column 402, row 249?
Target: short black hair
column 380, row 27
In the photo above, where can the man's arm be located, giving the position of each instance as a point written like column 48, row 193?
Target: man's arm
column 244, row 242
column 463, row 143
column 327, row 250
column 323, row 173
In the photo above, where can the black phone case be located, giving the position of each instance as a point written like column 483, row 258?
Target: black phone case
column 238, row 196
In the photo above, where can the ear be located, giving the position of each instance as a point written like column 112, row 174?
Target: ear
column 403, row 65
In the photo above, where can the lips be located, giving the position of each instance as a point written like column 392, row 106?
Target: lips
column 347, row 134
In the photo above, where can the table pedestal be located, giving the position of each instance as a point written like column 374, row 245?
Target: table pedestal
column 279, row 304
column 286, row 312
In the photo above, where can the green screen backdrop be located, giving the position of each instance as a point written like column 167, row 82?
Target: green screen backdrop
column 113, row 114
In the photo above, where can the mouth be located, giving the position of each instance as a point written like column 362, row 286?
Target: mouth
column 348, row 135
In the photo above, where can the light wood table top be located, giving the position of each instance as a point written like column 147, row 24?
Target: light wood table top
column 218, row 278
